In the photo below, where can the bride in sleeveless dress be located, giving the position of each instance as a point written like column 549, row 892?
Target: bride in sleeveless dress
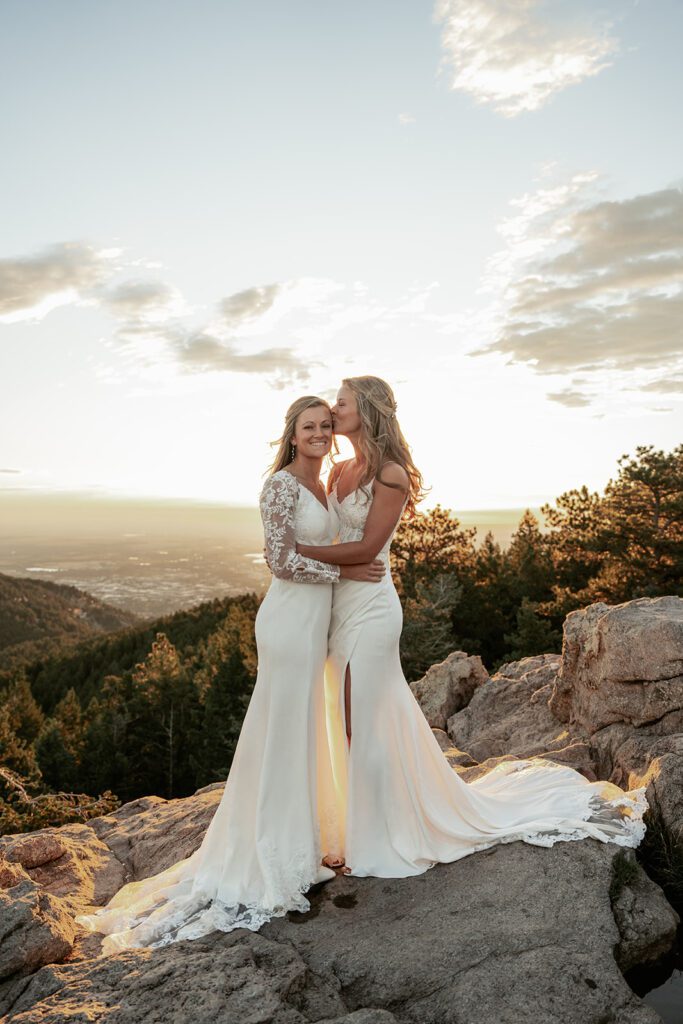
column 405, row 808
column 279, row 816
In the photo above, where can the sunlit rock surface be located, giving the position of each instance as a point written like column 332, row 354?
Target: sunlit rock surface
column 448, row 687
column 621, row 663
column 516, row 934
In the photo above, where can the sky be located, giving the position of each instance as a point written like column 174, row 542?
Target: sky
column 211, row 207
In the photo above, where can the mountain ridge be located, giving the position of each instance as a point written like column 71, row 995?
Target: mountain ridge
column 34, row 610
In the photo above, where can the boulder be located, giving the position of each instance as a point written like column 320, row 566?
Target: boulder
column 69, row 862
column 150, row 834
column 35, row 929
column 456, row 758
column 32, row 851
column 509, row 714
column 621, row 663
column 96, row 858
column 10, row 874
column 448, row 687
column 646, row 921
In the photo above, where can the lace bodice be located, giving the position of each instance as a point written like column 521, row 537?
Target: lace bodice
column 353, row 513
column 291, row 513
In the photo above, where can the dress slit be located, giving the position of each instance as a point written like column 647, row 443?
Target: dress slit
column 348, row 718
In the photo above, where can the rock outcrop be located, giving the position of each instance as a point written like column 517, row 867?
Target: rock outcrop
column 610, row 706
column 35, row 929
column 621, row 664
column 448, row 687
column 517, row 933
column 477, row 940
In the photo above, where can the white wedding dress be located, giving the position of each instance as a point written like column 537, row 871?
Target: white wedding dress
column 406, row 809
column 279, row 813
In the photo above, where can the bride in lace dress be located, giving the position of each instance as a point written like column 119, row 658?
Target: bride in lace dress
column 279, row 815
column 406, row 809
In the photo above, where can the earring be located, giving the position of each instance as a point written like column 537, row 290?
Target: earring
column 292, row 452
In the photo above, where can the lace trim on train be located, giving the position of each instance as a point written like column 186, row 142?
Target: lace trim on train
column 170, row 906
column 618, row 819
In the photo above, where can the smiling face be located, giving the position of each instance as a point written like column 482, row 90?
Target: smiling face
column 345, row 414
column 313, row 432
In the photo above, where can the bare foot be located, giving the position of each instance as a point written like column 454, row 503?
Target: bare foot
column 333, row 862
column 345, row 870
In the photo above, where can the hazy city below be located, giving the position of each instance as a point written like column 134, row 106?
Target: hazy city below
column 154, row 557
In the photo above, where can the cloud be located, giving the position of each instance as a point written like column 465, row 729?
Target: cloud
column 513, row 55
column 63, row 273
column 10, row 471
column 250, row 304
column 151, row 332
column 666, row 386
column 572, row 399
column 201, row 353
column 142, row 300
column 155, row 336
column 589, row 284
column 280, row 330
column 406, row 118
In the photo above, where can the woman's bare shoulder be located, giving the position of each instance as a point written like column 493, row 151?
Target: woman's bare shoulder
column 394, row 473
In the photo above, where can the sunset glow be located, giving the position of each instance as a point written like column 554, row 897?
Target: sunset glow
column 480, row 202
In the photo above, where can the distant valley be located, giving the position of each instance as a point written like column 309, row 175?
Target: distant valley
column 146, row 557
column 151, row 557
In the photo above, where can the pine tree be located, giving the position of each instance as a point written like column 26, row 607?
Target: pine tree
column 529, row 561
column 57, row 762
column 69, row 716
column 225, row 705
column 164, row 710
column 25, row 717
column 431, row 543
column 574, row 540
column 641, row 527
column 486, row 607
column 15, row 753
column 427, row 635
column 106, row 748
column 533, row 634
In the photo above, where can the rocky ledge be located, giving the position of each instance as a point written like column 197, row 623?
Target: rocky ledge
column 517, row 933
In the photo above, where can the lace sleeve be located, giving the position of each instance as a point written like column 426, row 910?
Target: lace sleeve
column 278, row 504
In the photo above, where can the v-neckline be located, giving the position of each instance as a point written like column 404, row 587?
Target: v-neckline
column 335, row 489
column 307, row 488
column 336, row 494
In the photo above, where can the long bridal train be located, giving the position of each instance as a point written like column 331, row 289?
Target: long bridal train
column 406, row 809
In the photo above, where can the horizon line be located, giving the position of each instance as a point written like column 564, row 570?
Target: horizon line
column 98, row 494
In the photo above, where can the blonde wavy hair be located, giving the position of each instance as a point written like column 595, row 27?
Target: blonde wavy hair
column 381, row 438
column 285, row 452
